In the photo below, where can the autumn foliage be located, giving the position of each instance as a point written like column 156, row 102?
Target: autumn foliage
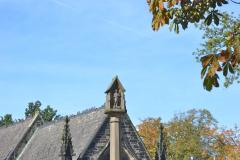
column 194, row 133
column 220, row 52
column 149, row 131
column 179, row 13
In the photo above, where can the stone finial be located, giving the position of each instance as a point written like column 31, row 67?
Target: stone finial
column 115, row 98
column 66, row 151
column 161, row 145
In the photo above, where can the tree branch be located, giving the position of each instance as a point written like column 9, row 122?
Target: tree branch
column 235, row 2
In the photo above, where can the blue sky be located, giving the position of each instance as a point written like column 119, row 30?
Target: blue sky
column 65, row 53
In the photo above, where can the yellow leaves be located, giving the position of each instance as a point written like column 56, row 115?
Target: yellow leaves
column 235, row 58
column 172, row 3
column 206, row 59
column 210, row 66
column 149, row 131
column 225, row 61
column 159, row 20
column 161, row 12
column 215, row 66
column 188, row 134
column 161, row 5
column 227, row 144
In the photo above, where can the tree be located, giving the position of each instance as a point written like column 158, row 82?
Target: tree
column 6, row 120
column 48, row 114
column 149, row 131
column 220, row 52
column 228, row 144
column 1, row 121
column 191, row 133
column 32, row 108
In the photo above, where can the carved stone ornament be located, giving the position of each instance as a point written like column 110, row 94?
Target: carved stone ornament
column 115, row 99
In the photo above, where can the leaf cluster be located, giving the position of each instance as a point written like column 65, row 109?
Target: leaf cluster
column 179, row 13
column 220, row 52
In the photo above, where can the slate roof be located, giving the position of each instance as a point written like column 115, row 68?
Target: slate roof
column 10, row 136
column 46, row 141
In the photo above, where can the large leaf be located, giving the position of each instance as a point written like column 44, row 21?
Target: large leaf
column 215, row 81
column 207, row 83
column 209, row 18
column 216, row 19
column 203, row 72
column 231, row 68
column 225, row 69
column 206, row 59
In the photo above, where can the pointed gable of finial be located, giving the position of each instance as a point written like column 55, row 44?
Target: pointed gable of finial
column 115, row 84
column 115, row 98
column 66, row 151
column 161, row 145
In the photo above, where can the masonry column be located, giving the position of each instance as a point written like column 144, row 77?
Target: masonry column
column 114, row 138
column 115, row 108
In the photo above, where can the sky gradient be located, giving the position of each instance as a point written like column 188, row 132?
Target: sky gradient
column 65, row 53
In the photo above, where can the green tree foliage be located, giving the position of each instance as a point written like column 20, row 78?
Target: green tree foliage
column 194, row 133
column 188, row 135
column 32, row 108
column 48, row 114
column 220, row 52
column 6, row 120
column 179, row 13
column 1, row 121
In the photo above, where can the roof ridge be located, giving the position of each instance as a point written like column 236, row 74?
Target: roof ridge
column 79, row 114
column 17, row 122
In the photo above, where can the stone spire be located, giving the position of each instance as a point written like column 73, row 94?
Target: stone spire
column 161, row 145
column 66, row 151
column 115, row 107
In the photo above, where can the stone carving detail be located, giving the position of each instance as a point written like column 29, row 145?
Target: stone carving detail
column 117, row 99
